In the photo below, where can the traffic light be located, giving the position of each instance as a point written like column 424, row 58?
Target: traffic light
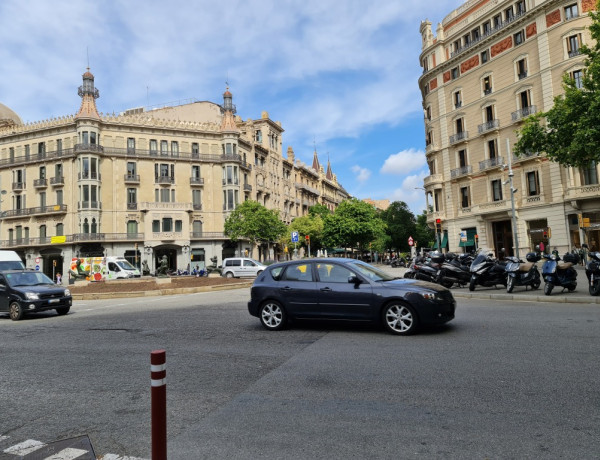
column 307, row 237
column 136, row 246
column 438, row 225
column 545, row 234
column 54, row 263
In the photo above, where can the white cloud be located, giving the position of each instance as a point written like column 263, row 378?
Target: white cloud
column 362, row 174
column 403, row 162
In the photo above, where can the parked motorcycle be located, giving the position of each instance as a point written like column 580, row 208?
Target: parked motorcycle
column 486, row 271
column 425, row 269
column 398, row 262
column 559, row 272
column 592, row 271
column 521, row 273
column 455, row 270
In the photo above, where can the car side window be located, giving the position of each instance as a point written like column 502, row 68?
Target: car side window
column 249, row 263
column 276, row 273
column 333, row 273
column 2, row 281
column 236, row 262
column 298, row 272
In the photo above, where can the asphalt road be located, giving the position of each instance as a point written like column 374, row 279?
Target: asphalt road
column 504, row 380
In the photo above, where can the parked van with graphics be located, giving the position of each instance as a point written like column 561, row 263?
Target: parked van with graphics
column 9, row 260
column 236, row 267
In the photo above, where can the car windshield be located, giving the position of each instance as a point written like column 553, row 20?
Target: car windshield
column 125, row 265
column 371, row 272
column 27, row 279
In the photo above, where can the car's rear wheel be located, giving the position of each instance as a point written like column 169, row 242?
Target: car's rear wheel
column 400, row 319
column 229, row 275
column 272, row 315
column 15, row 311
column 62, row 310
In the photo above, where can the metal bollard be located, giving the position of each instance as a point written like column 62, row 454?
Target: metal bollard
column 158, row 379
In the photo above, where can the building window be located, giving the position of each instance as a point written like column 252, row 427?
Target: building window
column 167, row 224
column 60, row 230
column 86, row 226
column 42, row 200
column 258, row 136
column 59, row 145
column 230, row 199
column 59, row 197
column 464, row 197
column 475, row 34
column 573, row 45
column 457, row 99
column 497, row 190
column 42, row 172
column 195, row 172
column 489, row 113
column 132, row 227
column 492, row 150
column 522, row 68
column 577, row 75
column 484, row 56
column 571, row 11
column 131, row 169
column 462, row 158
column 131, row 196
column 520, row 5
column 428, row 112
column 467, row 40
column 487, row 85
column 195, row 148
column 197, row 227
column 525, row 99
column 454, row 73
column 487, row 28
column 519, row 37
column 509, row 14
column 153, row 147
column 42, row 232
column 589, row 175
column 130, row 145
column 533, row 183
column 156, row 226
column 196, row 197
column 178, row 226
column 429, row 138
column 175, row 148
column 230, row 175
column 459, row 126
column 497, row 20
column 164, row 148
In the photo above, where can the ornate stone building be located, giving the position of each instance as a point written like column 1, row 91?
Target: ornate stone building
column 490, row 65
column 145, row 183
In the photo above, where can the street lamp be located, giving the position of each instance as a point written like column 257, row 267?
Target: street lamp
column 512, row 197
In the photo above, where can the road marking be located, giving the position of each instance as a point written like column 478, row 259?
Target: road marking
column 67, row 454
column 25, row 447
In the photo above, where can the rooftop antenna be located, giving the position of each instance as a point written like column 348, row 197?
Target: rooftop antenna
column 87, row 50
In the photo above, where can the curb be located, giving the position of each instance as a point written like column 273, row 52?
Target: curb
column 159, row 292
column 529, row 298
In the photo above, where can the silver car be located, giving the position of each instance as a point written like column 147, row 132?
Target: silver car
column 237, row 267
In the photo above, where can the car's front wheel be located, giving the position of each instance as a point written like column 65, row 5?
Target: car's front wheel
column 272, row 316
column 400, row 319
column 63, row 310
column 15, row 311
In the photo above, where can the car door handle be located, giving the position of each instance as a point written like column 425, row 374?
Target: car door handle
column 286, row 288
column 326, row 289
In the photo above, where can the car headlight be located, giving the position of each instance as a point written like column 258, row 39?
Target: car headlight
column 67, row 293
column 32, row 296
column 429, row 295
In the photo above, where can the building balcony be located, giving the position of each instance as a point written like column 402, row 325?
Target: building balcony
column 583, row 192
column 57, row 181
column 132, row 179
column 88, row 148
column 433, row 179
column 431, row 147
column 231, row 181
column 308, row 189
column 494, row 206
column 17, row 213
column 488, row 126
column 89, row 205
column 462, row 171
column 196, row 181
column 490, row 163
column 164, row 180
column 159, row 206
column 40, row 183
column 574, row 53
column 459, row 137
column 207, row 236
column 89, row 175
column 533, row 200
column 18, row 186
column 247, row 188
column 433, row 215
column 525, row 156
column 523, row 113
column 132, row 206
column 197, row 207
column 522, row 75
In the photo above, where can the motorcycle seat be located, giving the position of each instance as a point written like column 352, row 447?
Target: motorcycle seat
column 564, row 265
column 525, row 267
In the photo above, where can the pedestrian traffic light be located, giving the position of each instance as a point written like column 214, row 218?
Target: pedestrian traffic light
column 438, row 225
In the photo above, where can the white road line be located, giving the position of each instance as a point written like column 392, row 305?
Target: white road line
column 67, row 454
column 25, row 447
column 118, row 457
column 2, row 438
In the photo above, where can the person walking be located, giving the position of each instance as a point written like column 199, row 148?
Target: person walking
column 58, row 279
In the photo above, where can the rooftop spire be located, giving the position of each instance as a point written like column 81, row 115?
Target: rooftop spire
column 316, row 166
column 228, row 122
column 88, row 94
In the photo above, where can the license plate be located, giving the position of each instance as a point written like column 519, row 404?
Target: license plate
column 54, row 301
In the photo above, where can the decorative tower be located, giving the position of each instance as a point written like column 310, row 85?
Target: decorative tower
column 316, row 165
column 228, row 123
column 88, row 94
column 329, row 174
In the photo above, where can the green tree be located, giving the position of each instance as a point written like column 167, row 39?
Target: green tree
column 401, row 224
column 306, row 225
column 251, row 220
column 569, row 133
column 319, row 210
column 353, row 224
column 424, row 235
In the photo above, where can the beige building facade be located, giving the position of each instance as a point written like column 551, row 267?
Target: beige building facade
column 490, row 65
column 146, row 183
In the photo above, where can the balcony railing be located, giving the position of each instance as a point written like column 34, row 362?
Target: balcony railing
column 523, row 113
column 57, row 181
column 207, row 235
column 490, row 163
column 95, row 148
column 197, row 181
column 132, row 178
column 574, row 53
column 433, row 179
column 89, row 175
column 165, row 180
column 18, row 186
column 488, row 126
column 132, row 206
column 197, row 207
column 461, row 171
column 40, row 183
column 522, row 75
column 459, row 137
column 89, row 205
column 55, row 209
column 247, row 188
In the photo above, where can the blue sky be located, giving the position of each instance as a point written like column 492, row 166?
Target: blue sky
column 339, row 75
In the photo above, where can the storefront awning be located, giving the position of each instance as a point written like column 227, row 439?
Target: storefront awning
column 444, row 241
column 471, row 232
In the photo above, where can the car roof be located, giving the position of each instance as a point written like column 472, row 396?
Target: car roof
column 339, row 260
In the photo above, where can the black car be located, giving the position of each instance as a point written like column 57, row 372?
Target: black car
column 28, row 291
column 346, row 289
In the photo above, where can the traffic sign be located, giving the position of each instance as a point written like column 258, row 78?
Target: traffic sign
column 37, row 260
column 37, row 267
column 411, row 241
column 295, row 237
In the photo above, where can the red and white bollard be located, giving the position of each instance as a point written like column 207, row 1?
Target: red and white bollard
column 158, row 379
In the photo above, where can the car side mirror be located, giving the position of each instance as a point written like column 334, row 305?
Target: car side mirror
column 353, row 279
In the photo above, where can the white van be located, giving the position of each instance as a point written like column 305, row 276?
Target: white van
column 119, row 267
column 10, row 260
column 236, row 267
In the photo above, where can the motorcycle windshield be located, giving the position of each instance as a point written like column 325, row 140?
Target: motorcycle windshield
column 512, row 266
column 479, row 262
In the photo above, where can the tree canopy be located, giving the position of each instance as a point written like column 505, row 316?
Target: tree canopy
column 401, row 224
column 255, row 222
column 569, row 133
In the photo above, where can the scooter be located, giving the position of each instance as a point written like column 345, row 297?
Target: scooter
column 559, row 272
column 398, row 262
column 455, row 270
column 592, row 271
column 521, row 273
column 425, row 269
column 486, row 271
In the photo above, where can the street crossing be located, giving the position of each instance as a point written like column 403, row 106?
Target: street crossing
column 68, row 449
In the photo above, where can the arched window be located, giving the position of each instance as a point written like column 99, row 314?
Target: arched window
column 86, row 226
column 94, row 226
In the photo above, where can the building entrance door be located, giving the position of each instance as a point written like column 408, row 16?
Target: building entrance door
column 502, row 233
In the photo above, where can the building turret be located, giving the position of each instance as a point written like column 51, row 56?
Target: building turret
column 88, row 94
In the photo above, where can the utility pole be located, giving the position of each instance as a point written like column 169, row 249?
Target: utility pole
column 512, row 198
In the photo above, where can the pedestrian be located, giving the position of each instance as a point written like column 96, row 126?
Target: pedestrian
column 58, row 279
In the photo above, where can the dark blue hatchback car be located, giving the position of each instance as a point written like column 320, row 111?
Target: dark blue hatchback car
column 346, row 289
